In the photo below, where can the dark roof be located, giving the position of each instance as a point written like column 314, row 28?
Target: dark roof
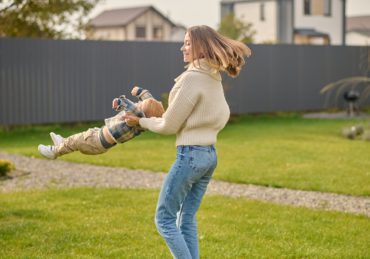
column 122, row 16
column 357, row 23
column 247, row 1
column 237, row 1
column 310, row 32
column 180, row 26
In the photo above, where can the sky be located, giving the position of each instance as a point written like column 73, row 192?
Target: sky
column 196, row 12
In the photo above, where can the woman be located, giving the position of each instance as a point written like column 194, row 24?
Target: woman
column 197, row 111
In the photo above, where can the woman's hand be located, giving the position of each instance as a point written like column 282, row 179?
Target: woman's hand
column 131, row 120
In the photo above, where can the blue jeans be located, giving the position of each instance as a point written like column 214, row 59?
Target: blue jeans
column 180, row 198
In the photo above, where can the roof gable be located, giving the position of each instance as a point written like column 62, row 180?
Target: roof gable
column 123, row 16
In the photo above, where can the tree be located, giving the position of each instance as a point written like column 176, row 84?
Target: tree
column 55, row 19
column 236, row 29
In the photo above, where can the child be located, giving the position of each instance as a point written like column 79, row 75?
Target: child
column 98, row 140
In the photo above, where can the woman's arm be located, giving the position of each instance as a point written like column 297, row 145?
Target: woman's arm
column 176, row 114
column 179, row 109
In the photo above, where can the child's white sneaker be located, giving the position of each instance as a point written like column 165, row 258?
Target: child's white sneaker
column 57, row 139
column 47, row 151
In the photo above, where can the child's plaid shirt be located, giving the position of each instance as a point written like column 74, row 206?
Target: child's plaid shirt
column 118, row 127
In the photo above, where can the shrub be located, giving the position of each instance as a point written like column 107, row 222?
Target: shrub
column 5, row 167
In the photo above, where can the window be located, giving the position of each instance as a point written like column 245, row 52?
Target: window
column 307, row 7
column 226, row 9
column 327, row 7
column 262, row 12
column 317, row 7
column 140, row 32
column 158, row 33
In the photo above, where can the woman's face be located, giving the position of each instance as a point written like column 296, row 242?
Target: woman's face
column 186, row 49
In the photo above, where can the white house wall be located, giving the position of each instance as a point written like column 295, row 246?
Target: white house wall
column 332, row 25
column 178, row 35
column 357, row 39
column 149, row 20
column 266, row 31
column 115, row 33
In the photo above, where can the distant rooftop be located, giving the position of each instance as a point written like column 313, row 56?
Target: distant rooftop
column 358, row 23
column 122, row 16
column 236, row 1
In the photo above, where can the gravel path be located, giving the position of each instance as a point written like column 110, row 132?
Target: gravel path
column 35, row 173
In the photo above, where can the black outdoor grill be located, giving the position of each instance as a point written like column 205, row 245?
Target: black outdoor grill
column 351, row 97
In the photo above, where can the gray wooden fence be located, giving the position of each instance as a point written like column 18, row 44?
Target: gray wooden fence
column 46, row 81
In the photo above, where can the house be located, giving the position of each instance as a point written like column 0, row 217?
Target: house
column 358, row 30
column 178, row 33
column 291, row 21
column 137, row 23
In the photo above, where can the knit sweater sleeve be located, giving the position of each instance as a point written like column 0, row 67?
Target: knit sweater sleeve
column 179, row 109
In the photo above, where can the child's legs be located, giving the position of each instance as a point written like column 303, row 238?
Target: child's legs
column 87, row 142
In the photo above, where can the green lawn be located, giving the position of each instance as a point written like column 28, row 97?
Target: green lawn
column 280, row 151
column 114, row 223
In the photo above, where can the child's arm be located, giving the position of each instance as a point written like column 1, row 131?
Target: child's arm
column 141, row 93
column 123, row 104
column 118, row 104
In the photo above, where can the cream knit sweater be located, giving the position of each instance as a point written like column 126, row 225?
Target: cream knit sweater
column 197, row 108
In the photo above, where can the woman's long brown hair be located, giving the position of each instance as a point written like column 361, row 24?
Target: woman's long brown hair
column 221, row 52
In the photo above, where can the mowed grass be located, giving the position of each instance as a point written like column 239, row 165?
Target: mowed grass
column 118, row 223
column 280, row 151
